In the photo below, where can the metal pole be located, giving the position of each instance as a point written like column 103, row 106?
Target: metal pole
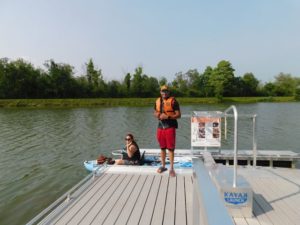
column 225, row 126
column 254, row 142
column 235, row 146
column 234, row 142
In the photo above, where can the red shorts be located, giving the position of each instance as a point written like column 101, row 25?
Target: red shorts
column 166, row 138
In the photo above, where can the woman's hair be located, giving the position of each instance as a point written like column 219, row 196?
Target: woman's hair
column 130, row 135
column 132, row 138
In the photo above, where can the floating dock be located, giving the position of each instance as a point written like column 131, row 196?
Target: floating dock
column 283, row 158
column 138, row 195
column 270, row 158
column 128, row 195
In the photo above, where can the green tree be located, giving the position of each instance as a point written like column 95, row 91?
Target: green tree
column 269, row 89
column 297, row 80
column 297, row 93
column 89, row 71
column 222, row 78
column 143, row 85
column 206, row 88
column 19, row 79
column 250, row 84
column 137, row 82
column 3, row 64
column 285, row 85
column 194, row 83
column 95, row 79
column 83, row 87
column 150, row 85
column 114, row 89
column 162, row 81
column 127, row 83
column 180, row 84
column 61, row 80
column 237, row 86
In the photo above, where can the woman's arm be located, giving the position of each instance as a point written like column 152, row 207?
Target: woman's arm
column 131, row 150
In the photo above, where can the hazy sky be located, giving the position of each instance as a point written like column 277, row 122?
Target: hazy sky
column 162, row 36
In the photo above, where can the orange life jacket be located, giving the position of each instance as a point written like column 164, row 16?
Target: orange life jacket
column 167, row 106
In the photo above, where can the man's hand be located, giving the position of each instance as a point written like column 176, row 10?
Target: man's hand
column 163, row 116
column 156, row 114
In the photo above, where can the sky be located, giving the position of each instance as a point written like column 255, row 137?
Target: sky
column 163, row 36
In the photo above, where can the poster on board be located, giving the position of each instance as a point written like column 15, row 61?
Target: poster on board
column 206, row 131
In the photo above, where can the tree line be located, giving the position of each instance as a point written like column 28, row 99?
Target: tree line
column 20, row 79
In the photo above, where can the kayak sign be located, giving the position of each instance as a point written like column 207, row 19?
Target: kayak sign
column 236, row 198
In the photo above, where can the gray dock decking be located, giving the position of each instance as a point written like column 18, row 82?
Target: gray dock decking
column 133, row 198
column 141, row 196
column 276, row 196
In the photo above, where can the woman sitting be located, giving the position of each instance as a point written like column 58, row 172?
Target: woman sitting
column 133, row 154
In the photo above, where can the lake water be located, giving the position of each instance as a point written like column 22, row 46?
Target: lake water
column 42, row 150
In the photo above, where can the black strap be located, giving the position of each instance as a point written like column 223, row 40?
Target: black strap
column 161, row 105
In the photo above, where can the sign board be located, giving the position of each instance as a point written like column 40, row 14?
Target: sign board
column 205, row 130
column 239, row 200
column 236, row 198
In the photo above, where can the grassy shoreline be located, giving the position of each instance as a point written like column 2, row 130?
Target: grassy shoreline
column 107, row 102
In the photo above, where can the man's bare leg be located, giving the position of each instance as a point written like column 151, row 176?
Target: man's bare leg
column 171, row 156
column 163, row 161
column 163, row 157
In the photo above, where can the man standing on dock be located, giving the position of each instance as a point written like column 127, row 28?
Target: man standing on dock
column 167, row 111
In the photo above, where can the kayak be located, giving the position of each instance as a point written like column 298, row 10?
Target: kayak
column 179, row 162
column 92, row 165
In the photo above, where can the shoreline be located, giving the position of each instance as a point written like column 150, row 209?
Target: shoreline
column 109, row 102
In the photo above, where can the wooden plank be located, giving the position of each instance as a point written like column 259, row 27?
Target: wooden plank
column 149, row 206
column 240, row 221
column 169, row 217
column 180, row 211
column 159, row 210
column 115, row 212
column 189, row 198
column 81, row 201
column 281, row 209
column 259, row 213
column 253, row 221
column 82, row 207
column 288, row 194
column 127, row 209
column 285, row 197
column 262, row 209
column 270, row 209
column 98, row 202
column 287, row 190
column 140, row 203
column 104, row 212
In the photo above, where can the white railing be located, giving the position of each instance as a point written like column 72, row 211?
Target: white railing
column 254, row 140
column 254, row 143
column 233, row 108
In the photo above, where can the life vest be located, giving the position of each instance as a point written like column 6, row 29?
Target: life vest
column 167, row 106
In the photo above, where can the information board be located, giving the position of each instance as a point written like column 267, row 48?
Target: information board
column 205, row 131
